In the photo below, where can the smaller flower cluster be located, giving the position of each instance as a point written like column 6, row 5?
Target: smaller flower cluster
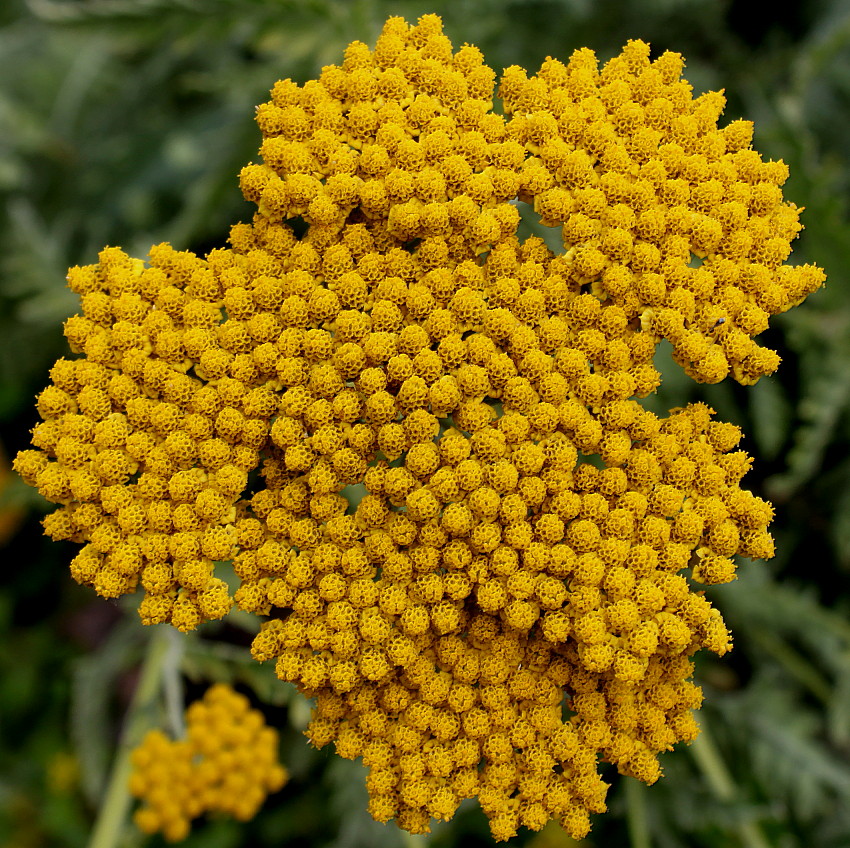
column 227, row 763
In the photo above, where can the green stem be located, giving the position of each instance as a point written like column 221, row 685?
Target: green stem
column 140, row 718
column 636, row 814
column 720, row 781
column 172, row 682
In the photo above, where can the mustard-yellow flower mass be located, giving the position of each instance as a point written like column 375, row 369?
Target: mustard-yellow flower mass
column 511, row 601
column 228, row 763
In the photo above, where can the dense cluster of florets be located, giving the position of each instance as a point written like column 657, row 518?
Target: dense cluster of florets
column 228, row 763
column 506, row 604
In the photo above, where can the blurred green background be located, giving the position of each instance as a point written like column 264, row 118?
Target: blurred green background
column 125, row 122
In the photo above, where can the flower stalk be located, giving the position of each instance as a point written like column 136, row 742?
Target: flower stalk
column 142, row 714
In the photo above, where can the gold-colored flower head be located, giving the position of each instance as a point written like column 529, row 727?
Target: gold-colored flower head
column 228, row 763
column 519, row 553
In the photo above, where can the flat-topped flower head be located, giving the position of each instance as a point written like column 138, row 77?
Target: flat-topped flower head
column 227, row 763
column 507, row 603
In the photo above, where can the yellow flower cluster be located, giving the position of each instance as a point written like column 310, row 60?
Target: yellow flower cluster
column 147, row 459
column 679, row 223
column 228, row 763
column 445, row 641
column 507, row 603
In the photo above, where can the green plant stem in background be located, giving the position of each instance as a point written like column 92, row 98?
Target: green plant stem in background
column 172, row 682
column 141, row 716
column 636, row 814
column 711, row 764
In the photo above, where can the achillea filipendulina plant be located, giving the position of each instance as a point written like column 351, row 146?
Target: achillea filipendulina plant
column 512, row 600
